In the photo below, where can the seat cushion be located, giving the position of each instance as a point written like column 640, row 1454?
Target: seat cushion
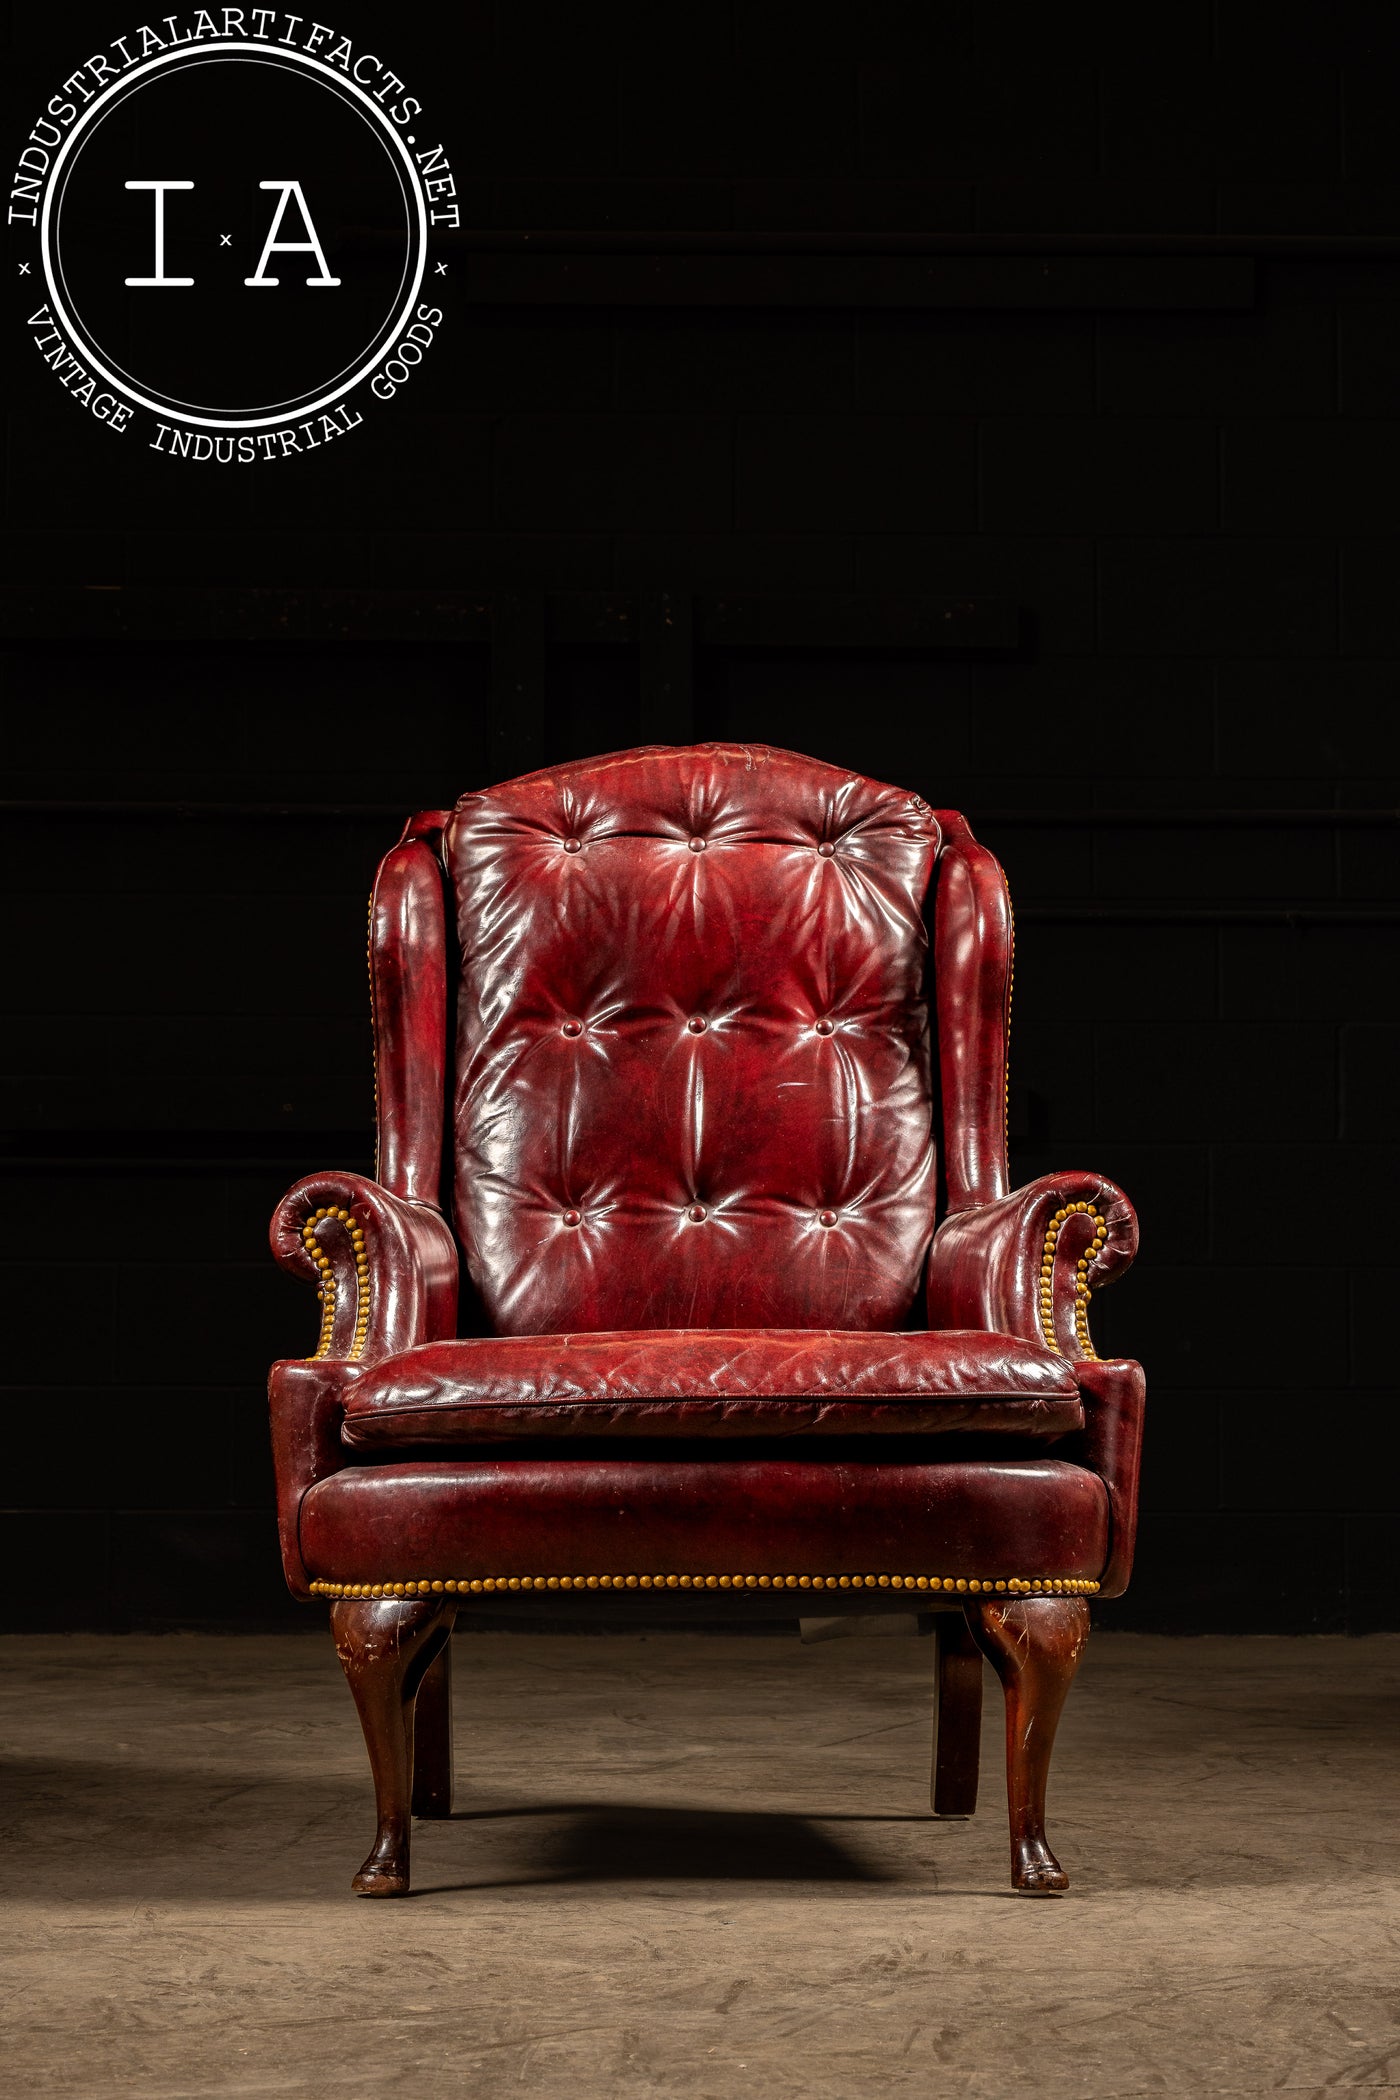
column 502, row 1525
column 710, row 1382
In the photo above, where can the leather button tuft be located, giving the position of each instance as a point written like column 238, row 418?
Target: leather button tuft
column 573, row 845
column 696, row 1214
column 697, row 1024
column 572, row 1028
column 825, row 1027
column 826, row 1217
column 697, row 845
column 826, row 849
column 573, row 1217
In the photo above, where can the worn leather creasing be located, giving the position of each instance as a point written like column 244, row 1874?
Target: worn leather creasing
column 693, row 1128
column 711, row 1382
column 508, row 1516
column 693, row 1060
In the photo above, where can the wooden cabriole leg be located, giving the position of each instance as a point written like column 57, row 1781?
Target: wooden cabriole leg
column 957, row 1725
column 1034, row 1644
column 432, row 1738
column 386, row 1645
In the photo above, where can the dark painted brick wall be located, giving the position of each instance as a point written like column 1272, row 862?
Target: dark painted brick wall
column 1195, row 512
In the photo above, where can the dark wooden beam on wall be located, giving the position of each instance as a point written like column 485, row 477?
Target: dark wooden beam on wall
column 870, row 241
column 1207, row 819
column 577, row 619
column 1009, row 272
column 178, row 613
column 540, row 276
column 857, row 620
column 515, row 624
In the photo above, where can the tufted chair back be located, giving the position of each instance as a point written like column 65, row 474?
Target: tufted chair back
column 692, row 1078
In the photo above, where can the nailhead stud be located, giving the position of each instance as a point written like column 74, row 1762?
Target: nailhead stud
column 1082, row 1287
column 424, row 1586
column 327, row 1291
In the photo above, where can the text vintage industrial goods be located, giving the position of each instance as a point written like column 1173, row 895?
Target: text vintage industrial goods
column 223, row 227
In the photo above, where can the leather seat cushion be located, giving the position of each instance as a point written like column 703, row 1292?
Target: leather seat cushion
column 702, row 1382
column 474, row 1519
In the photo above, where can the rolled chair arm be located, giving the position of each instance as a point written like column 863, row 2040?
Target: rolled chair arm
column 384, row 1267
column 1028, row 1263
column 385, row 1271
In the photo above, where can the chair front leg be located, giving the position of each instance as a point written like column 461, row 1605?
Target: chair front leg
column 1034, row 1644
column 385, row 1645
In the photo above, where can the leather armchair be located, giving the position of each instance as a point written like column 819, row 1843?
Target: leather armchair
column 692, row 1134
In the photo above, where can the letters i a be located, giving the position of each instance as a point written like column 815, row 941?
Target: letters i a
column 271, row 246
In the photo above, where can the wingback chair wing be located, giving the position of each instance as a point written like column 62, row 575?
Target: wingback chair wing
column 713, row 1344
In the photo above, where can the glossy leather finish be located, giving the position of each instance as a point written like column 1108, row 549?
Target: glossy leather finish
column 409, row 1289
column 408, row 989
column 986, row 1261
column 1114, row 1391
column 726, row 1516
column 711, row 1382
column 695, row 1185
column 693, row 1094
column 693, row 1083
column 306, row 1401
column 972, row 945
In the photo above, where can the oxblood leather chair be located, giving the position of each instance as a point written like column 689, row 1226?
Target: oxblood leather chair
column 693, row 1138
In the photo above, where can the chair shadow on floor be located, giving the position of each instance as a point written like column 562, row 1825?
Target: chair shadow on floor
column 595, row 1843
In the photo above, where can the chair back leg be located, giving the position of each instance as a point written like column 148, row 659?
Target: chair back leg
column 432, row 1738
column 386, row 1645
column 957, row 1725
column 1034, row 1644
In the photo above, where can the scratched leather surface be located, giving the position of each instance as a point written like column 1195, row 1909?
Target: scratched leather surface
column 692, row 1064
column 524, row 1516
column 692, row 1092
column 711, row 1382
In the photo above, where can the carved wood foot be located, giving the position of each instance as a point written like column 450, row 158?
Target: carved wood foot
column 386, row 1645
column 957, row 1727
column 1034, row 1644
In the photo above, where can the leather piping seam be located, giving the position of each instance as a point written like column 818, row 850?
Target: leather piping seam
column 1011, row 1585
column 327, row 1290
column 1082, row 1285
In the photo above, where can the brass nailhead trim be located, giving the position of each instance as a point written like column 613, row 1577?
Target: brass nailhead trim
column 326, row 1290
column 1082, row 1285
column 1012, row 1585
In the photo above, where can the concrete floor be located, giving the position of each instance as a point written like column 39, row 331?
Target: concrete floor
column 697, row 1866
